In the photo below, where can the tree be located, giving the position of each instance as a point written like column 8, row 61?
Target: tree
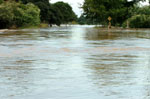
column 44, row 7
column 142, row 10
column 140, row 18
column 34, row 1
column 17, row 14
column 56, row 16
column 56, row 13
column 84, row 20
column 25, row 15
column 7, row 17
column 65, row 11
column 102, row 9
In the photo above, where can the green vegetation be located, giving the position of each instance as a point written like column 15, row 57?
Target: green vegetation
column 121, row 12
column 57, row 13
column 68, row 15
column 31, row 13
column 13, row 14
column 85, row 20
column 140, row 17
column 139, row 21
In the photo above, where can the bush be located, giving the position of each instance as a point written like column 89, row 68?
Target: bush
column 18, row 15
column 26, row 15
column 6, row 15
column 139, row 21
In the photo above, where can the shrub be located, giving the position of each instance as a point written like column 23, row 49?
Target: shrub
column 6, row 15
column 27, row 15
column 139, row 21
column 19, row 15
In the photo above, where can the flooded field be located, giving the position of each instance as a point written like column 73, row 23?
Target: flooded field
column 75, row 62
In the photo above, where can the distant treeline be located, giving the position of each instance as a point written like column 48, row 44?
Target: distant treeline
column 22, row 13
column 122, row 12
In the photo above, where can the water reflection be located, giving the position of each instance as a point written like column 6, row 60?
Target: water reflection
column 74, row 62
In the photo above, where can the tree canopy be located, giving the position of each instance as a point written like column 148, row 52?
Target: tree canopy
column 66, row 12
column 140, row 17
column 102, row 9
column 56, row 13
column 18, row 15
column 43, row 5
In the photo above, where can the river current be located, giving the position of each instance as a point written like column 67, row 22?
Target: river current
column 75, row 62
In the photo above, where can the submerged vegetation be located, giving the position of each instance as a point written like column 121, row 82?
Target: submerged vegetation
column 25, row 13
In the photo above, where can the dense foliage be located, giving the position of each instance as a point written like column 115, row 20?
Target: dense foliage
column 140, row 21
column 44, row 7
column 141, row 10
column 100, row 10
column 20, row 13
column 56, row 13
column 66, row 12
column 14, row 14
column 140, row 17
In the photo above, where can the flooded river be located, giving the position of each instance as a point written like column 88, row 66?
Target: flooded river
column 75, row 62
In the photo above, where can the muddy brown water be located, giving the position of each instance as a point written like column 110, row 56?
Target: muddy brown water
column 75, row 62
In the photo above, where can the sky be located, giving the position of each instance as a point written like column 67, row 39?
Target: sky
column 74, row 3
